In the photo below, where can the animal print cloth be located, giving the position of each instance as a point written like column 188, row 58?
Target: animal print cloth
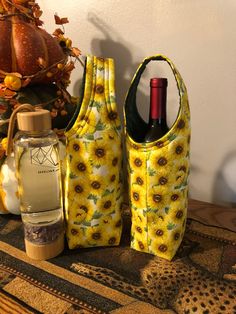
column 200, row 279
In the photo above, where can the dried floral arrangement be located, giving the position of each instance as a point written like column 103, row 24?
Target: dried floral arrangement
column 35, row 66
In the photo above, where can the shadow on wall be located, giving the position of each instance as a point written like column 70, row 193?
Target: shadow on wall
column 113, row 46
column 224, row 188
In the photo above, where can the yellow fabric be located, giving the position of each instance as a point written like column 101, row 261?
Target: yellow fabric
column 93, row 185
column 158, row 190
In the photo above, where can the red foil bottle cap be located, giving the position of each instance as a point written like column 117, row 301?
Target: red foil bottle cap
column 158, row 82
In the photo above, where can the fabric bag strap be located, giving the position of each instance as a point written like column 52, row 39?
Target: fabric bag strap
column 131, row 114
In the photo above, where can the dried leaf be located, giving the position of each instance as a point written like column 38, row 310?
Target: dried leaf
column 7, row 93
column 38, row 22
column 64, row 20
column 58, row 32
column 60, row 21
column 69, row 66
column 76, row 52
column 37, row 13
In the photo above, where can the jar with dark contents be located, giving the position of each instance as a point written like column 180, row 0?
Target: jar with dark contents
column 43, row 234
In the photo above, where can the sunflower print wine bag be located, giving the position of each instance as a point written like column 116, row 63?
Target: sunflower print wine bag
column 93, row 184
column 158, row 174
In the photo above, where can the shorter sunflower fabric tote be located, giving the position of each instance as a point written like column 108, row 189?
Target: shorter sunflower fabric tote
column 93, row 184
column 158, row 174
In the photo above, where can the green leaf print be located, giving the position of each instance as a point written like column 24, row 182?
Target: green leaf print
column 97, row 104
column 93, row 197
column 149, row 242
column 167, row 209
column 148, row 155
column 146, row 229
column 134, row 207
column 146, row 211
column 171, row 137
column 112, row 98
column 97, row 215
column 89, row 137
column 91, row 103
column 86, row 223
column 129, row 168
column 181, row 186
column 106, row 192
column 100, row 126
column 170, row 225
column 97, row 166
column 77, row 223
column 72, row 175
column 151, row 172
column 101, row 68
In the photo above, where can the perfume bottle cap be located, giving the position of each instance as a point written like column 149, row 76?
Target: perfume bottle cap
column 38, row 120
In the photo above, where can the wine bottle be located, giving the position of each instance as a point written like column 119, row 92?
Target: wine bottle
column 157, row 125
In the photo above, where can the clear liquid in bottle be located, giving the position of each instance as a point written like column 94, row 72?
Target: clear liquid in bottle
column 38, row 172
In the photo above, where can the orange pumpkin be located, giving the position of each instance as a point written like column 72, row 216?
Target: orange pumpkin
column 22, row 44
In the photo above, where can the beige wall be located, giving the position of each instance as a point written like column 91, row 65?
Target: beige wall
column 200, row 38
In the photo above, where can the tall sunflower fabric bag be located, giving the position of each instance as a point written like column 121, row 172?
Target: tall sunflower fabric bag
column 158, row 174
column 93, row 184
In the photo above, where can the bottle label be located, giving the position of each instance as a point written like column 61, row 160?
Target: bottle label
column 43, row 156
column 39, row 178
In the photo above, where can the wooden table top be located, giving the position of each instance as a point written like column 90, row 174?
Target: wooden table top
column 211, row 214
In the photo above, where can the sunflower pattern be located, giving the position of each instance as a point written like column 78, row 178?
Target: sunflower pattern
column 158, row 181
column 93, row 188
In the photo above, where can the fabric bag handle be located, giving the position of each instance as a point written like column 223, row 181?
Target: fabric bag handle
column 131, row 114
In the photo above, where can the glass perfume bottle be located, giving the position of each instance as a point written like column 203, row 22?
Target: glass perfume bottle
column 39, row 180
